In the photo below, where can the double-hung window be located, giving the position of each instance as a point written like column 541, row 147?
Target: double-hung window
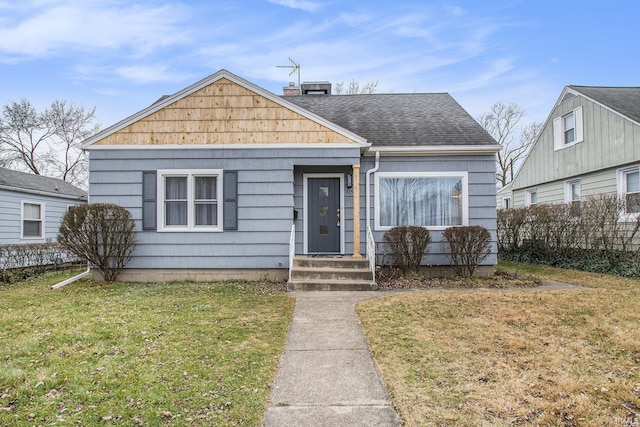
column 568, row 129
column 189, row 200
column 629, row 190
column 435, row 200
column 32, row 220
column 573, row 195
column 531, row 197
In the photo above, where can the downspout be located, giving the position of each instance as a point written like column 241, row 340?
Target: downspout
column 367, row 189
column 73, row 279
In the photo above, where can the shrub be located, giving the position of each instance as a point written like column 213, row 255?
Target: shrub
column 468, row 246
column 407, row 245
column 23, row 261
column 101, row 233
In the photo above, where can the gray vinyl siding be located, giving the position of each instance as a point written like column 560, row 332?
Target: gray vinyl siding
column 604, row 181
column 481, row 188
column 610, row 141
column 11, row 216
column 267, row 194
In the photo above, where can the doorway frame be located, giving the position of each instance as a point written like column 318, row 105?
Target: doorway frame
column 305, row 204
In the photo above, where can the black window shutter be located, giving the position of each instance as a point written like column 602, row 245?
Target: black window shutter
column 149, row 200
column 230, row 200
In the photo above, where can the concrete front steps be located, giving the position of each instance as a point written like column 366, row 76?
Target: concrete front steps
column 330, row 273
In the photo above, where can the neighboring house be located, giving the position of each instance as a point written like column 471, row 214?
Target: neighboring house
column 216, row 175
column 32, row 206
column 590, row 144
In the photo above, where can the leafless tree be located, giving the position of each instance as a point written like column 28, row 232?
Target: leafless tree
column 354, row 88
column 47, row 142
column 503, row 123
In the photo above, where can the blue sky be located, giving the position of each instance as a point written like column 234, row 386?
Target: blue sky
column 120, row 56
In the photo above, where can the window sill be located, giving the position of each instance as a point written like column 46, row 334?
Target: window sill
column 189, row 230
column 565, row 146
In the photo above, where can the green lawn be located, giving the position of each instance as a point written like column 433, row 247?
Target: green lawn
column 139, row 354
column 512, row 357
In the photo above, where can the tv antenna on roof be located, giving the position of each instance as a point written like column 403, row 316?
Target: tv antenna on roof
column 295, row 67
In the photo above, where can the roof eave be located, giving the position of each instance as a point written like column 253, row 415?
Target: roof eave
column 43, row 193
column 436, row 150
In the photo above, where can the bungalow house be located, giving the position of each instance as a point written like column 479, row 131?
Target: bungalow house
column 228, row 180
column 32, row 206
column 590, row 144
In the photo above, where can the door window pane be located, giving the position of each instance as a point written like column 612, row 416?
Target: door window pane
column 324, row 192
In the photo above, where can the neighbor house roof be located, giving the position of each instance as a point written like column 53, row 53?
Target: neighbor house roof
column 38, row 184
column 624, row 100
column 387, row 120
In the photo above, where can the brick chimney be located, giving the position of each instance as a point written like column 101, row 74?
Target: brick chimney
column 291, row 90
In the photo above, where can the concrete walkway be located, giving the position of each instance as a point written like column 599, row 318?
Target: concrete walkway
column 327, row 376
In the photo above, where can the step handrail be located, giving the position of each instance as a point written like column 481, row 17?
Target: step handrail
column 292, row 248
column 371, row 253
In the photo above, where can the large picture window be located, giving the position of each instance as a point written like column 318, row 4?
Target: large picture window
column 427, row 200
column 190, row 200
column 32, row 220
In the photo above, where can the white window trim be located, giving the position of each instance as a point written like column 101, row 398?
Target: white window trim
column 621, row 186
column 558, row 129
column 527, row 196
column 465, row 194
column 190, row 173
column 42, row 219
column 506, row 200
column 567, row 190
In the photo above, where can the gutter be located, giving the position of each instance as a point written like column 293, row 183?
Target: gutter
column 71, row 280
column 367, row 190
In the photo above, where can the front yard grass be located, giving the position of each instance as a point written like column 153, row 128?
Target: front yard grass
column 512, row 357
column 139, row 354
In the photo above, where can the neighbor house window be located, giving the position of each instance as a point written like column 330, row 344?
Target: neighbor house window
column 32, row 220
column 427, row 200
column 573, row 195
column 568, row 129
column 629, row 189
column 190, row 200
column 531, row 197
column 506, row 203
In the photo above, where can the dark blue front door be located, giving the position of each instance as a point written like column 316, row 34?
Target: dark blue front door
column 324, row 215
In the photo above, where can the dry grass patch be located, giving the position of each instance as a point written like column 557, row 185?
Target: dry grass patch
column 503, row 358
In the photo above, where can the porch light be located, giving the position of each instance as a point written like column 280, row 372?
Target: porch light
column 349, row 180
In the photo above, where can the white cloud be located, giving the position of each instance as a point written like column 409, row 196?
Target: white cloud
column 62, row 28
column 308, row 6
column 151, row 74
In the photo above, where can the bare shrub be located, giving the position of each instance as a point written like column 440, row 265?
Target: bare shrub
column 101, row 233
column 468, row 246
column 511, row 223
column 407, row 245
column 23, row 261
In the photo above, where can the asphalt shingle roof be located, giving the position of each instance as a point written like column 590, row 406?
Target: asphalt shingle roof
column 624, row 100
column 42, row 184
column 388, row 120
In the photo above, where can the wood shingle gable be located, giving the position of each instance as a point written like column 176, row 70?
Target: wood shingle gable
column 222, row 110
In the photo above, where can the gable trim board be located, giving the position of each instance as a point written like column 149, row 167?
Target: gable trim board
column 263, row 183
